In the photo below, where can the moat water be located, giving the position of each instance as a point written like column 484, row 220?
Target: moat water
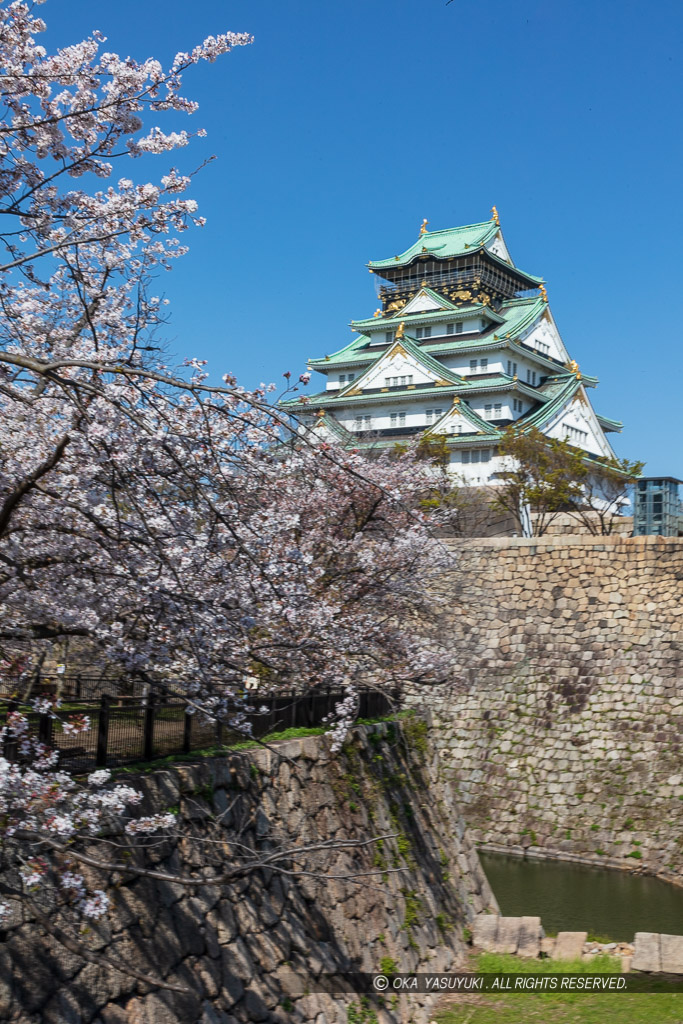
column 572, row 897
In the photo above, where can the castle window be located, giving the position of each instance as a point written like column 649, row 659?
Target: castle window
column 351, row 377
column 465, row 456
column 487, row 412
column 428, row 415
column 367, row 422
column 473, row 365
column 531, row 377
column 359, row 423
column 342, row 378
column 459, row 328
column 484, row 365
column 497, row 410
column 486, row 455
column 388, row 336
column 512, row 368
column 450, row 328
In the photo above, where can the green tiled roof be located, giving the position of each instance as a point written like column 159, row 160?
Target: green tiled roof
column 352, row 350
column 470, row 415
column 332, row 398
column 449, row 243
column 452, row 440
column 430, row 293
column 428, row 316
column 443, row 244
column 419, row 355
column 518, row 314
column 464, row 388
column 557, row 392
column 607, row 424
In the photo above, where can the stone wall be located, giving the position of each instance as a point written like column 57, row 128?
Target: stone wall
column 564, row 730
column 256, row 950
column 565, row 524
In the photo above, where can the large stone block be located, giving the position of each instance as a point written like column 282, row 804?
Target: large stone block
column 485, row 931
column 507, row 937
column 530, row 934
column 569, row 945
column 647, row 955
column 671, row 947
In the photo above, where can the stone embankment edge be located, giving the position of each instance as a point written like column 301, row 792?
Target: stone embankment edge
column 215, row 942
column 588, row 860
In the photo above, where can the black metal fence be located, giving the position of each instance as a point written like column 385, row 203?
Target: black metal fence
column 71, row 687
column 123, row 730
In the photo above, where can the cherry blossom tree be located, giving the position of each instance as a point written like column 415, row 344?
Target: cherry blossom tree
column 180, row 526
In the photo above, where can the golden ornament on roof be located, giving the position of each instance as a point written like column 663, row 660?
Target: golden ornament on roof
column 495, row 216
column 378, row 312
column 456, row 400
column 544, row 294
column 573, row 365
column 399, row 329
column 423, row 229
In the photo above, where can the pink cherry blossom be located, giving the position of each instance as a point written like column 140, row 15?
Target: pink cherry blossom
column 187, row 532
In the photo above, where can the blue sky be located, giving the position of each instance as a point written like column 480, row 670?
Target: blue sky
column 344, row 125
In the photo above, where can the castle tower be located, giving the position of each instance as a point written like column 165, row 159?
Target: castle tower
column 463, row 344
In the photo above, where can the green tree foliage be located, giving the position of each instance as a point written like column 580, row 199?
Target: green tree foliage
column 544, row 474
column 605, row 492
column 551, row 476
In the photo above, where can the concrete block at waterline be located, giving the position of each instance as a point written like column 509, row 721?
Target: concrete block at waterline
column 671, row 947
column 569, row 945
column 484, row 932
column 508, row 934
column 647, row 954
column 530, row 934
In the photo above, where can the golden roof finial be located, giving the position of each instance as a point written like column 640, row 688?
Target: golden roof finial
column 456, row 400
column 542, row 290
column 378, row 312
column 495, row 216
column 320, row 413
column 423, row 229
column 573, row 365
column 399, row 329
